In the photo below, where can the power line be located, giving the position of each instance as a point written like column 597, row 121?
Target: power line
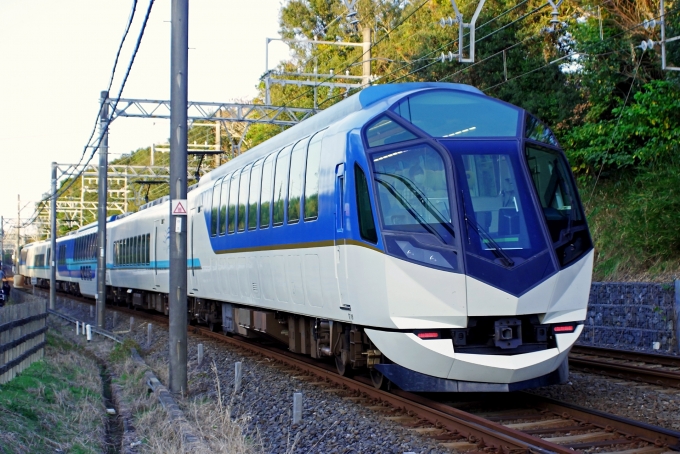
column 415, row 10
column 113, row 72
column 75, row 176
column 424, row 57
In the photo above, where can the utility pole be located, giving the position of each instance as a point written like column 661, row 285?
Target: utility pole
column 53, row 239
column 101, row 209
column 179, row 52
column 2, row 239
column 16, row 254
column 366, row 58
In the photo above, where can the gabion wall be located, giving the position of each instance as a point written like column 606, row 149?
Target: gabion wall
column 632, row 316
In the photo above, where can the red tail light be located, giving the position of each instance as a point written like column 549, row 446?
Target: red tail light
column 564, row 328
column 428, row 335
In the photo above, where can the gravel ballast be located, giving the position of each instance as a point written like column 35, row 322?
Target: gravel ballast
column 333, row 424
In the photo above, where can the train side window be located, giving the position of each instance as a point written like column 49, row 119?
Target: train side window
column 311, row 203
column 280, row 185
column 266, row 194
column 255, row 182
column 223, row 205
column 135, row 259
column 364, row 211
column 141, row 258
column 297, row 171
column 233, row 201
column 243, row 198
column 214, row 216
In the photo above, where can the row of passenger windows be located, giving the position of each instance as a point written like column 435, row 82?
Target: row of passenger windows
column 135, row 250
column 85, row 248
column 260, row 190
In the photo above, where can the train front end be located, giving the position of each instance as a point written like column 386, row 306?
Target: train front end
column 476, row 205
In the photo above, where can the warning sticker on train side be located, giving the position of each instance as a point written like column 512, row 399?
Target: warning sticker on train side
column 179, row 207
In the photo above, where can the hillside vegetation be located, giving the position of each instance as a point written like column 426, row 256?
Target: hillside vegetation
column 580, row 68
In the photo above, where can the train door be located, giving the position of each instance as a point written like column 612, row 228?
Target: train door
column 158, row 233
column 191, row 277
column 340, row 251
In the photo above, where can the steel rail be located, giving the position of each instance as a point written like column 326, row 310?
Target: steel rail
column 479, row 430
column 607, row 362
column 647, row 432
column 486, row 434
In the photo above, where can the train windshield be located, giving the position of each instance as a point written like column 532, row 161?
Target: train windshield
column 413, row 191
column 414, row 204
column 501, row 221
column 448, row 113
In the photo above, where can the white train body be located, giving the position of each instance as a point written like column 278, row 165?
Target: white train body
column 440, row 242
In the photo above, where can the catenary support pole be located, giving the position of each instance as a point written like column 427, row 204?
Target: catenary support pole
column 16, row 254
column 366, row 59
column 53, row 240
column 179, row 54
column 101, row 212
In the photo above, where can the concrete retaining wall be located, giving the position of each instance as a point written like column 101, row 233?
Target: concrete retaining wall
column 633, row 316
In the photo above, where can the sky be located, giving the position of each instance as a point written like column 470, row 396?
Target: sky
column 57, row 56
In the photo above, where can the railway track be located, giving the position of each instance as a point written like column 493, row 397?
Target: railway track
column 662, row 370
column 507, row 423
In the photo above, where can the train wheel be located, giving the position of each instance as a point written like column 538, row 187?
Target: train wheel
column 342, row 363
column 378, row 379
column 214, row 326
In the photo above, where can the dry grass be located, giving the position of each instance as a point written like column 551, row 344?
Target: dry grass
column 209, row 420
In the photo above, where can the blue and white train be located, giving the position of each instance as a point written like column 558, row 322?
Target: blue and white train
column 425, row 232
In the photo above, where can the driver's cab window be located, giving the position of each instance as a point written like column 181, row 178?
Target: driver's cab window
column 412, row 188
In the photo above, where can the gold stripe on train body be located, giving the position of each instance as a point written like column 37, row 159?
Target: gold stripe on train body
column 311, row 244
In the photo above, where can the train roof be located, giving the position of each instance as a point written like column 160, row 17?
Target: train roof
column 360, row 101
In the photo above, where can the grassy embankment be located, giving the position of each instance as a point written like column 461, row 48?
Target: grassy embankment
column 56, row 405
column 634, row 220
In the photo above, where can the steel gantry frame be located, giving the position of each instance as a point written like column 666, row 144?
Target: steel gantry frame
column 125, row 182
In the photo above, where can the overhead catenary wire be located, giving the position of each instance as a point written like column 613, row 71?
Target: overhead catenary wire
column 311, row 90
column 113, row 73
column 436, row 59
column 75, row 176
column 128, row 25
